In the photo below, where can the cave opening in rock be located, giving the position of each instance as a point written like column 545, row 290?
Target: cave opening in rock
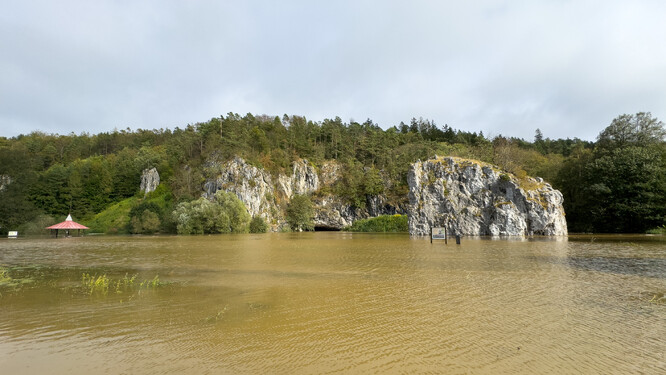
column 321, row 228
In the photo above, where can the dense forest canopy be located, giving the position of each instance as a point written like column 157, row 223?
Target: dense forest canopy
column 616, row 184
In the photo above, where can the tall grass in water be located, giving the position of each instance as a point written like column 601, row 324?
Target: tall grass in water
column 16, row 277
column 4, row 276
column 102, row 284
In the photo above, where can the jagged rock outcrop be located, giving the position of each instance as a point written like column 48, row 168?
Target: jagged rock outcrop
column 253, row 186
column 150, row 179
column 304, row 178
column 333, row 212
column 5, row 180
column 267, row 196
column 474, row 198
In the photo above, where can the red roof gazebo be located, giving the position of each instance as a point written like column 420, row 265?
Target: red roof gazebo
column 67, row 225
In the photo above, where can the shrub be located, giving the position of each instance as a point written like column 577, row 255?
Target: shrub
column 258, row 225
column 226, row 214
column 37, row 225
column 300, row 213
column 386, row 223
column 148, row 223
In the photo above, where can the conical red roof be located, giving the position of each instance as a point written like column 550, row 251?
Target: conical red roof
column 68, row 224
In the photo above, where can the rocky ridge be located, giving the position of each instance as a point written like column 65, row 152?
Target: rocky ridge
column 474, row 198
column 471, row 198
column 267, row 196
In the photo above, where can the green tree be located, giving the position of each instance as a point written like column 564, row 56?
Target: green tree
column 641, row 130
column 148, row 223
column 621, row 185
column 300, row 213
column 225, row 214
column 627, row 190
column 258, row 225
column 373, row 184
column 235, row 210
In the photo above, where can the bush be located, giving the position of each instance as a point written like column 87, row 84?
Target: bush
column 258, row 225
column 239, row 218
column 159, row 205
column 37, row 226
column 300, row 213
column 147, row 223
column 658, row 230
column 226, row 214
column 387, row 223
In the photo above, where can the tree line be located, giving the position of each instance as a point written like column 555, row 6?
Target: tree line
column 615, row 184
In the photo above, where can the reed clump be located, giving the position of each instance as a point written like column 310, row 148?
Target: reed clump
column 14, row 277
column 94, row 284
column 5, row 279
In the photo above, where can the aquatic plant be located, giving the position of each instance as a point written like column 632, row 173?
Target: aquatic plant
column 217, row 317
column 10, row 278
column 4, row 276
column 658, row 298
column 124, row 283
column 101, row 284
column 93, row 284
column 154, row 283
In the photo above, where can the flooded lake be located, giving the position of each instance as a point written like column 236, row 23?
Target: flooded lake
column 332, row 303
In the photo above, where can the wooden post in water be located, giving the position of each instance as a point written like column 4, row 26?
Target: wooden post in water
column 457, row 239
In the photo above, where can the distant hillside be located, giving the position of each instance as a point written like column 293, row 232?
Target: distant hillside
column 617, row 184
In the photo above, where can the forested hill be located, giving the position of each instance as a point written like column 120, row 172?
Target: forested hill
column 616, row 184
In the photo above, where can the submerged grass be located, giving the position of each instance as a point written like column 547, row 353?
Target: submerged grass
column 387, row 223
column 13, row 277
column 4, row 276
column 102, row 284
column 658, row 298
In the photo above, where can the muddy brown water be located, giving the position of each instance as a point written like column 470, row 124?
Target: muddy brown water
column 333, row 303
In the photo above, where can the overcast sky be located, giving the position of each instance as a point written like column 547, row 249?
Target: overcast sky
column 501, row 67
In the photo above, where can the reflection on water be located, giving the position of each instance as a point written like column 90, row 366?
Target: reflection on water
column 334, row 303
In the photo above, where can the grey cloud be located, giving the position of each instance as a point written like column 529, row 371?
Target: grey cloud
column 502, row 67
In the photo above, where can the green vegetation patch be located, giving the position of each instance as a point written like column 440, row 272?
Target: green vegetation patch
column 102, row 285
column 300, row 213
column 15, row 277
column 387, row 223
column 659, row 230
column 225, row 214
column 114, row 219
column 258, row 225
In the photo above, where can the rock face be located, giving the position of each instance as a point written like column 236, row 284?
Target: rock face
column 253, row 186
column 304, row 178
column 5, row 180
column 149, row 180
column 473, row 198
column 333, row 212
column 268, row 196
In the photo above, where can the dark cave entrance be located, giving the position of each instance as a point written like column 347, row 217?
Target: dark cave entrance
column 322, row 228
